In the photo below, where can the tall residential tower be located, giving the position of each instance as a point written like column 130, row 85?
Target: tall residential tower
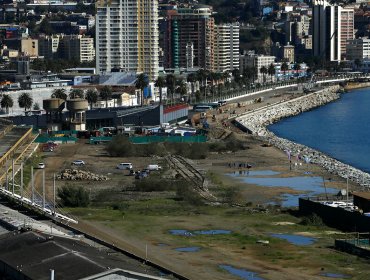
column 127, row 36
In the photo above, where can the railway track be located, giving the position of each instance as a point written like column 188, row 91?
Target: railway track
column 192, row 175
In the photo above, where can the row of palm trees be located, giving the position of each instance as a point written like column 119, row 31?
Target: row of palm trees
column 24, row 101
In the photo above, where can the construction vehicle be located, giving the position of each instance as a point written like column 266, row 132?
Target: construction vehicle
column 197, row 118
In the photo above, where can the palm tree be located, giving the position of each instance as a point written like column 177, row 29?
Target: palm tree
column 25, row 101
column 182, row 88
column 105, row 94
column 357, row 63
column 6, row 102
column 191, row 78
column 91, row 97
column 170, row 82
column 297, row 67
column 76, row 93
column 160, row 83
column 284, row 68
column 263, row 71
column 271, row 70
column 141, row 83
column 59, row 93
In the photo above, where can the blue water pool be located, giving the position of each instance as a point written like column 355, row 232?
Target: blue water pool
column 188, row 249
column 295, row 239
column 241, row 273
column 335, row 275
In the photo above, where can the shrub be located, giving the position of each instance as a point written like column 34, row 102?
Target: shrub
column 186, row 193
column 312, row 220
column 72, row 196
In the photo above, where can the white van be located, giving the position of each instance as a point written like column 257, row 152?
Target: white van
column 153, row 167
column 124, row 166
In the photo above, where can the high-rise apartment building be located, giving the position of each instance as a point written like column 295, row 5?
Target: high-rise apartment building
column 188, row 37
column 127, row 36
column 76, row 47
column 347, row 28
column 332, row 27
column 48, row 46
column 226, row 47
column 358, row 49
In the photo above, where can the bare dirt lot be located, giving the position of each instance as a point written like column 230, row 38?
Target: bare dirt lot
column 140, row 222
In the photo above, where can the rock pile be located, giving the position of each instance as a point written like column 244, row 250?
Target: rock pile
column 75, row 174
column 257, row 121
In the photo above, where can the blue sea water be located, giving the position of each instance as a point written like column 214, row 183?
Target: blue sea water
column 340, row 129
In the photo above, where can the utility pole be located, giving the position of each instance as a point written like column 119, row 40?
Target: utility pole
column 54, row 193
column 21, row 181
column 32, row 186
column 43, row 189
column 13, row 176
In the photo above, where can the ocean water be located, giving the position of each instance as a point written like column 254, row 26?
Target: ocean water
column 340, row 129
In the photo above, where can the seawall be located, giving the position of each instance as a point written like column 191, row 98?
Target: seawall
column 256, row 123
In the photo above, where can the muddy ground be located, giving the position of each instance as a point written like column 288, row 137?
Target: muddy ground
column 141, row 221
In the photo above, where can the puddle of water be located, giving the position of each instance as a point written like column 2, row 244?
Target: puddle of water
column 335, row 275
column 180, row 232
column 295, row 239
column 307, row 172
column 310, row 185
column 242, row 273
column 188, row 249
column 185, row 232
column 213, row 231
column 244, row 173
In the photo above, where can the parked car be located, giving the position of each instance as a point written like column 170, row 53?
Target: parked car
column 153, row 167
column 41, row 165
column 125, row 166
column 78, row 162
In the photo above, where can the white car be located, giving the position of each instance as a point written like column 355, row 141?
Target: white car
column 41, row 165
column 78, row 162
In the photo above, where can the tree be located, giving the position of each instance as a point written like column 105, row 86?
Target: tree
column 36, row 106
column 6, row 102
column 25, row 101
column 271, row 70
column 91, row 97
column 59, row 93
column 284, row 68
column 105, row 94
column 170, row 83
column 160, row 83
column 297, row 67
column 141, row 83
column 263, row 71
column 72, row 196
column 76, row 93
column 182, row 88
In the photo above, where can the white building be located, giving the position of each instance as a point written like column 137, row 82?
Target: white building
column 332, row 27
column 127, row 36
column 251, row 59
column 226, row 47
column 358, row 49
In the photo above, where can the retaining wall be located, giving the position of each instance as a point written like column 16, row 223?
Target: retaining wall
column 255, row 122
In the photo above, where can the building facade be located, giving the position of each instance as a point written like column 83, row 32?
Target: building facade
column 358, row 49
column 188, row 37
column 332, row 27
column 226, row 47
column 127, row 36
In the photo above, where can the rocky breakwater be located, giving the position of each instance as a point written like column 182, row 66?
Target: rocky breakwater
column 75, row 175
column 257, row 121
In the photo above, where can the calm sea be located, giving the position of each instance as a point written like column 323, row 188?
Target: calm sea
column 340, row 129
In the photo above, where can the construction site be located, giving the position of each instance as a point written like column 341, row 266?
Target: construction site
column 196, row 217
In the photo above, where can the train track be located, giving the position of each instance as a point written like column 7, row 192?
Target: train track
column 192, row 175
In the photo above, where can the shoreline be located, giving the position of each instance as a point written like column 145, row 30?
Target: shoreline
column 256, row 123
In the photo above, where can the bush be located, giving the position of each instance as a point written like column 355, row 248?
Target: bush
column 312, row 220
column 186, row 193
column 72, row 196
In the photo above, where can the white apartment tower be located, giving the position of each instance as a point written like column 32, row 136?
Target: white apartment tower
column 127, row 36
column 226, row 47
column 332, row 27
